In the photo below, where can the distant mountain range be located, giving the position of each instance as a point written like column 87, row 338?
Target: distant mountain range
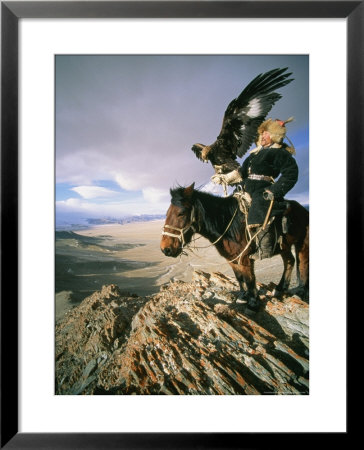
column 141, row 218
column 75, row 224
column 84, row 223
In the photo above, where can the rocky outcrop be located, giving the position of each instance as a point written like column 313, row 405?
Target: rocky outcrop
column 190, row 338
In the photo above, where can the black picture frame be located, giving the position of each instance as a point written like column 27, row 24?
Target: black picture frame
column 11, row 12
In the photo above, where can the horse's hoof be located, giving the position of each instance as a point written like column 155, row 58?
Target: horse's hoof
column 300, row 292
column 276, row 293
column 279, row 295
column 241, row 297
column 253, row 304
column 240, row 301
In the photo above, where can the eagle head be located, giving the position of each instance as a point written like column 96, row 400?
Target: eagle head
column 202, row 151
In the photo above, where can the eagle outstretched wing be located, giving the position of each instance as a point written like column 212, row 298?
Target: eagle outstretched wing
column 241, row 120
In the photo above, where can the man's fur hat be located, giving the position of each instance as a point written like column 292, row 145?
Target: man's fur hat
column 277, row 130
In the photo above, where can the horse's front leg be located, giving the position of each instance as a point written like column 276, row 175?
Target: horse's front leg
column 245, row 275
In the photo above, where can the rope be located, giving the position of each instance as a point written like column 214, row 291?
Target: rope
column 223, row 234
column 246, row 247
column 183, row 230
column 259, row 230
column 248, row 244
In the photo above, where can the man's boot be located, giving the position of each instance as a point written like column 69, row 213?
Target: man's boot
column 266, row 243
column 254, row 247
column 262, row 245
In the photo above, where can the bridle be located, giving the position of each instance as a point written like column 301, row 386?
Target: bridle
column 181, row 231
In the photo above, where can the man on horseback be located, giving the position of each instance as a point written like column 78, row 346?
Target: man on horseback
column 244, row 122
column 271, row 158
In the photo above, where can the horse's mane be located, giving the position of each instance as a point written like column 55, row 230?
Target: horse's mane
column 214, row 213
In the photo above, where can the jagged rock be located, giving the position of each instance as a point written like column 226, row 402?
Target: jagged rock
column 190, row 338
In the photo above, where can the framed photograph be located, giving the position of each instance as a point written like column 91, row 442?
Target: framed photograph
column 57, row 56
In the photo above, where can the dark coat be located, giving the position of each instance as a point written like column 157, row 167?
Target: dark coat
column 272, row 162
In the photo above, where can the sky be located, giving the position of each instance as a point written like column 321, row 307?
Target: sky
column 125, row 125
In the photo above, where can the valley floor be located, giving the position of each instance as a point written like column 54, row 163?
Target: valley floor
column 129, row 256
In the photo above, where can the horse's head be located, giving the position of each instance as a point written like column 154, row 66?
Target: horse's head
column 179, row 226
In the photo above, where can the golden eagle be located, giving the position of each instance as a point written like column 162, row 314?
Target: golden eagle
column 241, row 120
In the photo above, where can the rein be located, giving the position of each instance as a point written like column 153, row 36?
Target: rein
column 223, row 234
column 182, row 231
column 241, row 254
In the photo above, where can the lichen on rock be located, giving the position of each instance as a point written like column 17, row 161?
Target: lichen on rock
column 189, row 339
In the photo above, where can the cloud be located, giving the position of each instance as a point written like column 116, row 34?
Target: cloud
column 89, row 192
column 216, row 189
column 153, row 195
column 110, row 209
column 300, row 197
column 133, row 119
column 82, row 166
column 70, row 204
column 132, row 180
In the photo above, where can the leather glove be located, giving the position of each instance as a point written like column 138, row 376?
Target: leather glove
column 227, row 178
column 218, row 179
column 233, row 177
column 268, row 195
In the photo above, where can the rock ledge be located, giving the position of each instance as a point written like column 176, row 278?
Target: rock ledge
column 190, row 338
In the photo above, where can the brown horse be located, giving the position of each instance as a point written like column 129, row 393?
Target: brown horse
column 220, row 220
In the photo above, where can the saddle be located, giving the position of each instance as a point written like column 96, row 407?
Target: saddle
column 244, row 201
column 265, row 243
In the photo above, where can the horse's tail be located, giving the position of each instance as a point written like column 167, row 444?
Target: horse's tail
column 297, row 265
column 300, row 217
